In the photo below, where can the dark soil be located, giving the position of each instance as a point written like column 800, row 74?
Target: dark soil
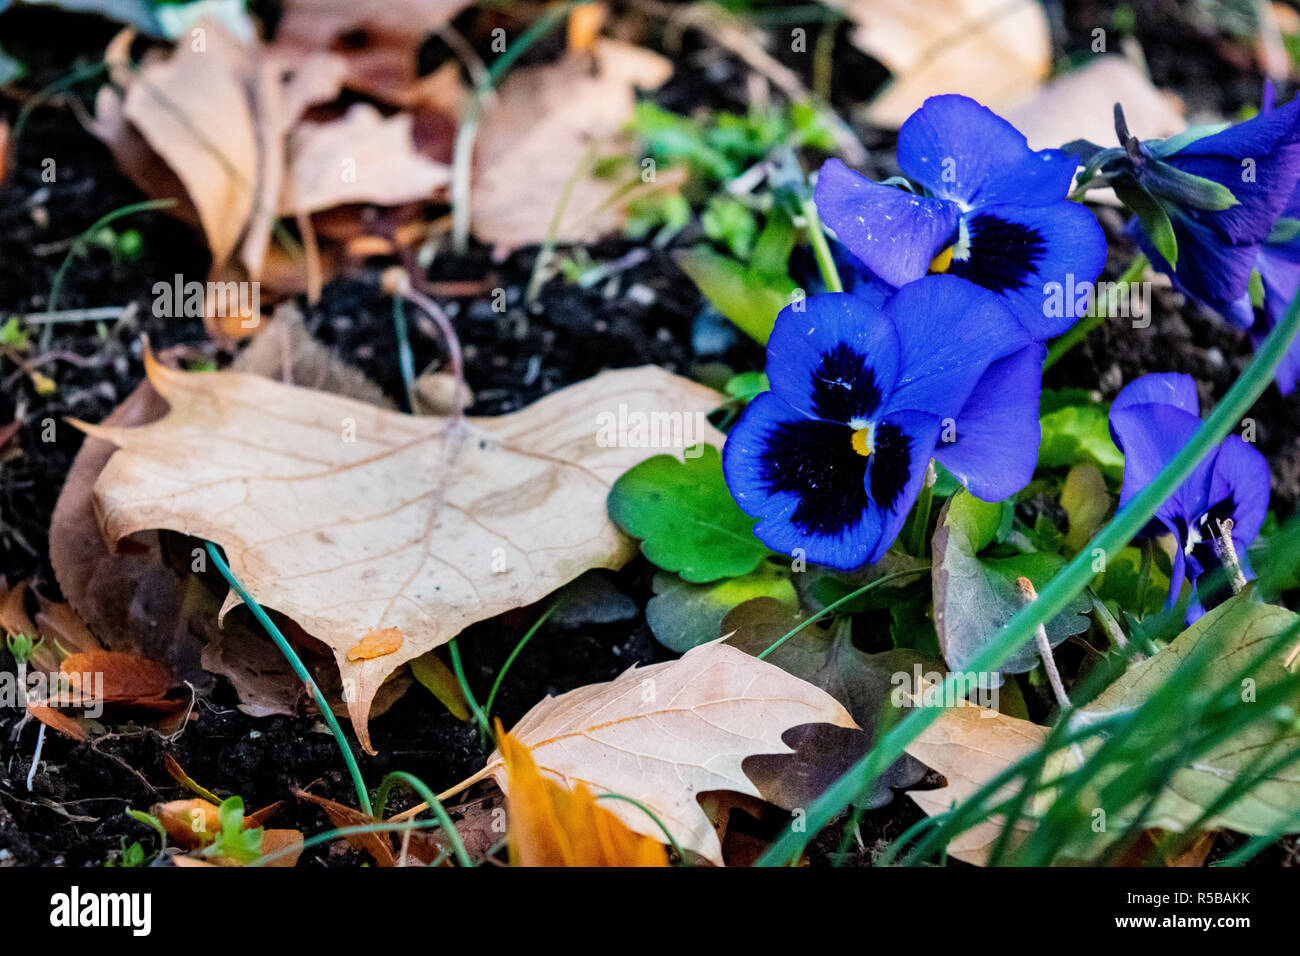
column 650, row 314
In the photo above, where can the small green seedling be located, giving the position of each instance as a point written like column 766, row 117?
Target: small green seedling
column 233, row 842
column 13, row 336
column 133, row 855
column 22, row 647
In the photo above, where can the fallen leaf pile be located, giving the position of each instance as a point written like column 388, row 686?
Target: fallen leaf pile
column 350, row 519
column 220, row 126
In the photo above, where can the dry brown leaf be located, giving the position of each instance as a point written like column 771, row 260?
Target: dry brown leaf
column 378, row 38
column 378, row 845
column 538, row 140
column 194, row 112
column 349, row 518
column 666, row 733
column 971, row 745
column 994, row 51
column 362, row 157
column 554, row 826
column 127, row 678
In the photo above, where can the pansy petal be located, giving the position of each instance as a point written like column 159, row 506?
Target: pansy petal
column 1239, row 487
column 803, row 480
column 1259, row 160
column 904, row 444
column 994, row 447
column 895, row 233
column 949, row 331
column 1209, row 270
column 1160, row 388
column 1279, row 268
column 1150, row 436
column 1039, row 259
column 965, row 152
column 833, row 356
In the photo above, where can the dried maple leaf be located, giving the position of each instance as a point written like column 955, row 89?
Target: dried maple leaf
column 538, row 140
column 666, row 733
column 349, row 519
column 553, row 826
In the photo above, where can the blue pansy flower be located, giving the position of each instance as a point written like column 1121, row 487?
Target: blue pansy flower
column 831, row 459
column 993, row 212
column 1220, row 194
column 1151, row 420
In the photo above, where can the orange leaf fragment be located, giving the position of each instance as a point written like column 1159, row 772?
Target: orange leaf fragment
column 378, row 643
column 552, row 826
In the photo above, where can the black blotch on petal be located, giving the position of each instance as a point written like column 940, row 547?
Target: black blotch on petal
column 844, row 386
column 891, row 465
column 1003, row 254
column 815, row 461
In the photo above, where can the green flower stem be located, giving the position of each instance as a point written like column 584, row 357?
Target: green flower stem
column 433, row 803
column 1072, row 579
column 523, row 642
column 79, row 244
column 363, row 796
column 821, row 248
column 1056, row 351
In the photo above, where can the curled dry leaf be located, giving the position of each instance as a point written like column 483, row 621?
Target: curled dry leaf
column 553, row 826
column 666, row 733
column 995, row 51
column 539, row 139
column 348, row 518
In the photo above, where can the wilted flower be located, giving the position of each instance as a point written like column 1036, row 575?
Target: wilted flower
column 993, row 211
column 1151, row 420
column 831, row 459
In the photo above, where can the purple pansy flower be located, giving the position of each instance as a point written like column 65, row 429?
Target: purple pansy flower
column 1151, row 420
column 831, row 459
column 993, row 212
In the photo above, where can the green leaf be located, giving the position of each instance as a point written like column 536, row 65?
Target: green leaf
column 979, row 519
column 1086, row 502
column 747, row 298
column 1075, row 434
column 747, row 386
column 1231, row 635
column 685, row 517
column 775, row 244
column 684, row 615
column 974, row 597
column 1151, row 214
column 728, row 221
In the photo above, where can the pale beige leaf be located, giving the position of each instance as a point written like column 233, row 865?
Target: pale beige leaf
column 362, row 157
column 537, row 142
column 970, row 746
column 666, row 733
column 350, row 518
column 194, row 112
column 1079, row 105
column 995, row 51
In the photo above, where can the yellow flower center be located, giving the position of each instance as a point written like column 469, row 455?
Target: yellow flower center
column 942, row 262
column 864, row 440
